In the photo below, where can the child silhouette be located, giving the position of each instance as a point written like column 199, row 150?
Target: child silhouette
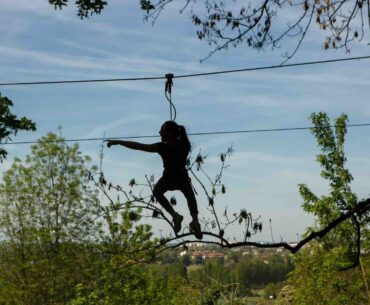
column 174, row 150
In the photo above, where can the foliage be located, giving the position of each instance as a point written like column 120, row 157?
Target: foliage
column 317, row 278
column 340, row 197
column 47, row 218
column 124, row 247
column 54, row 249
column 259, row 24
column 286, row 296
column 85, row 7
column 10, row 124
column 273, row 289
column 248, row 273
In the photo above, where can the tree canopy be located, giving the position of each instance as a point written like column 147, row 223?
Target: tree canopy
column 47, row 215
column 10, row 124
column 258, row 24
column 323, row 272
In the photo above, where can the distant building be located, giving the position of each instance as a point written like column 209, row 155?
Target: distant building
column 198, row 245
column 207, row 254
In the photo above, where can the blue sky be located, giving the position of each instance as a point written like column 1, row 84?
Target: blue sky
column 39, row 43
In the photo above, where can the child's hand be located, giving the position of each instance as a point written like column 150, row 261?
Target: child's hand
column 110, row 143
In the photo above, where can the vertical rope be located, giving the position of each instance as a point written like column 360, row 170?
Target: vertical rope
column 168, row 94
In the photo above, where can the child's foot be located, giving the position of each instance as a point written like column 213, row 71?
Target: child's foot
column 195, row 228
column 177, row 219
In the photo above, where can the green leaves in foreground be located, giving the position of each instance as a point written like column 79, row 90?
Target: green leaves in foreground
column 48, row 213
column 330, row 139
column 317, row 278
column 10, row 124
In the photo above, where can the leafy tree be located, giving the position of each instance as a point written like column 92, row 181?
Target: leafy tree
column 125, row 279
column 249, row 273
column 258, row 24
column 10, row 124
column 54, row 251
column 286, row 296
column 317, row 280
column 47, row 218
column 340, row 197
column 317, row 277
column 125, row 246
column 272, row 289
column 252, row 273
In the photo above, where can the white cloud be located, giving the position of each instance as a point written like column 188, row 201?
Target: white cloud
column 126, row 64
column 126, row 120
column 20, row 5
column 240, row 158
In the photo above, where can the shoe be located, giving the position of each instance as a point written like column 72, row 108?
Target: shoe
column 177, row 223
column 195, row 229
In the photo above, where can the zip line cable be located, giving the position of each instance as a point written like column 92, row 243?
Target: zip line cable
column 169, row 78
column 190, row 134
column 184, row 75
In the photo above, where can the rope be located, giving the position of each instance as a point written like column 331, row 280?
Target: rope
column 168, row 89
column 184, row 75
column 190, row 134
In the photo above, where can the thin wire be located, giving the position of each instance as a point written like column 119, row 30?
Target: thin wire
column 185, row 75
column 275, row 66
column 81, row 81
column 190, row 134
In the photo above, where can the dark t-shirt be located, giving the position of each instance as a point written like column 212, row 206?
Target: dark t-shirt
column 174, row 157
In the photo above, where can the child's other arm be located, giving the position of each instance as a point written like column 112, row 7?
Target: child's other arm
column 134, row 145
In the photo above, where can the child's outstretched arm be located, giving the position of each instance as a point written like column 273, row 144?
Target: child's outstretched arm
column 134, row 145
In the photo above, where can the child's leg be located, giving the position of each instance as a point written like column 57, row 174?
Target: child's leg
column 160, row 188
column 188, row 192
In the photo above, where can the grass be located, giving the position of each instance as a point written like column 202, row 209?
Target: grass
column 194, row 267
